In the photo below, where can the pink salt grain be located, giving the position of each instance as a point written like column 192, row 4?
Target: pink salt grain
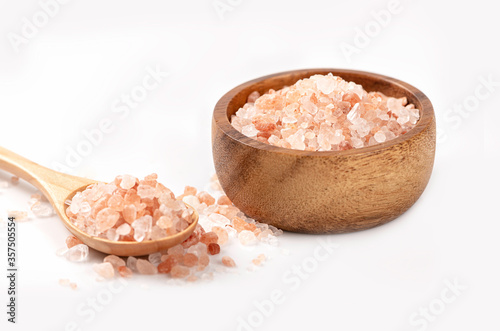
column 104, row 270
column 129, row 209
column 14, row 180
column 224, row 200
column 145, row 267
column 228, row 262
column 115, row 261
column 179, row 271
column 323, row 113
column 72, row 241
column 124, row 272
column 221, row 235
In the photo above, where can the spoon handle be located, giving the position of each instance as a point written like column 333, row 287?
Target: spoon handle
column 55, row 185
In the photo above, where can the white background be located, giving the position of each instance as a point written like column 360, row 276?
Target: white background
column 65, row 78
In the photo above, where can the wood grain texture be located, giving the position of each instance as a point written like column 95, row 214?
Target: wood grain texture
column 59, row 187
column 324, row 192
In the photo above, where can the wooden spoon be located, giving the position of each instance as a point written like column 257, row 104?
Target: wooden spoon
column 59, row 187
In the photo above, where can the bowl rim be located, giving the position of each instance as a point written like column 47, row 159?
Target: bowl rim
column 220, row 117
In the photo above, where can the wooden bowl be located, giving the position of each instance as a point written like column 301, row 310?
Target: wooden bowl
column 323, row 192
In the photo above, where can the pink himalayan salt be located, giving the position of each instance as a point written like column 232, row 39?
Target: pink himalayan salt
column 209, row 237
column 132, row 263
column 106, row 219
column 18, row 215
column 179, row 271
column 72, row 241
column 190, row 260
column 224, row 200
column 14, row 180
column 145, row 267
column 73, row 286
column 77, row 253
column 324, row 113
column 259, row 259
column 105, row 270
column 228, row 262
column 205, row 198
column 42, row 209
column 213, row 249
column 221, row 235
column 129, row 209
column 125, row 272
column 247, row 238
column 115, row 261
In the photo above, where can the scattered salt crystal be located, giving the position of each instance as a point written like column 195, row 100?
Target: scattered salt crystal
column 14, row 180
column 77, row 253
column 155, row 258
column 247, row 238
column 72, row 241
column 132, row 263
column 104, row 270
column 145, row 267
column 115, row 261
column 124, row 272
column 18, row 215
column 42, row 209
column 259, row 259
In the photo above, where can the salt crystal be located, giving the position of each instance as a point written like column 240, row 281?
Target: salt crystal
column 249, row 130
column 311, row 103
column 191, row 200
column 127, row 182
column 228, row 262
column 115, row 261
column 104, row 270
column 72, row 241
column 77, row 253
column 142, row 228
column 19, row 215
column 112, row 235
column 145, row 267
column 14, row 180
column 155, row 258
column 106, row 219
column 132, row 263
column 247, row 238
column 218, row 219
column 123, row 229
column 125, row 272
column 379, row 136
column 42, row 210
column 222, row 235
column 179, row 271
